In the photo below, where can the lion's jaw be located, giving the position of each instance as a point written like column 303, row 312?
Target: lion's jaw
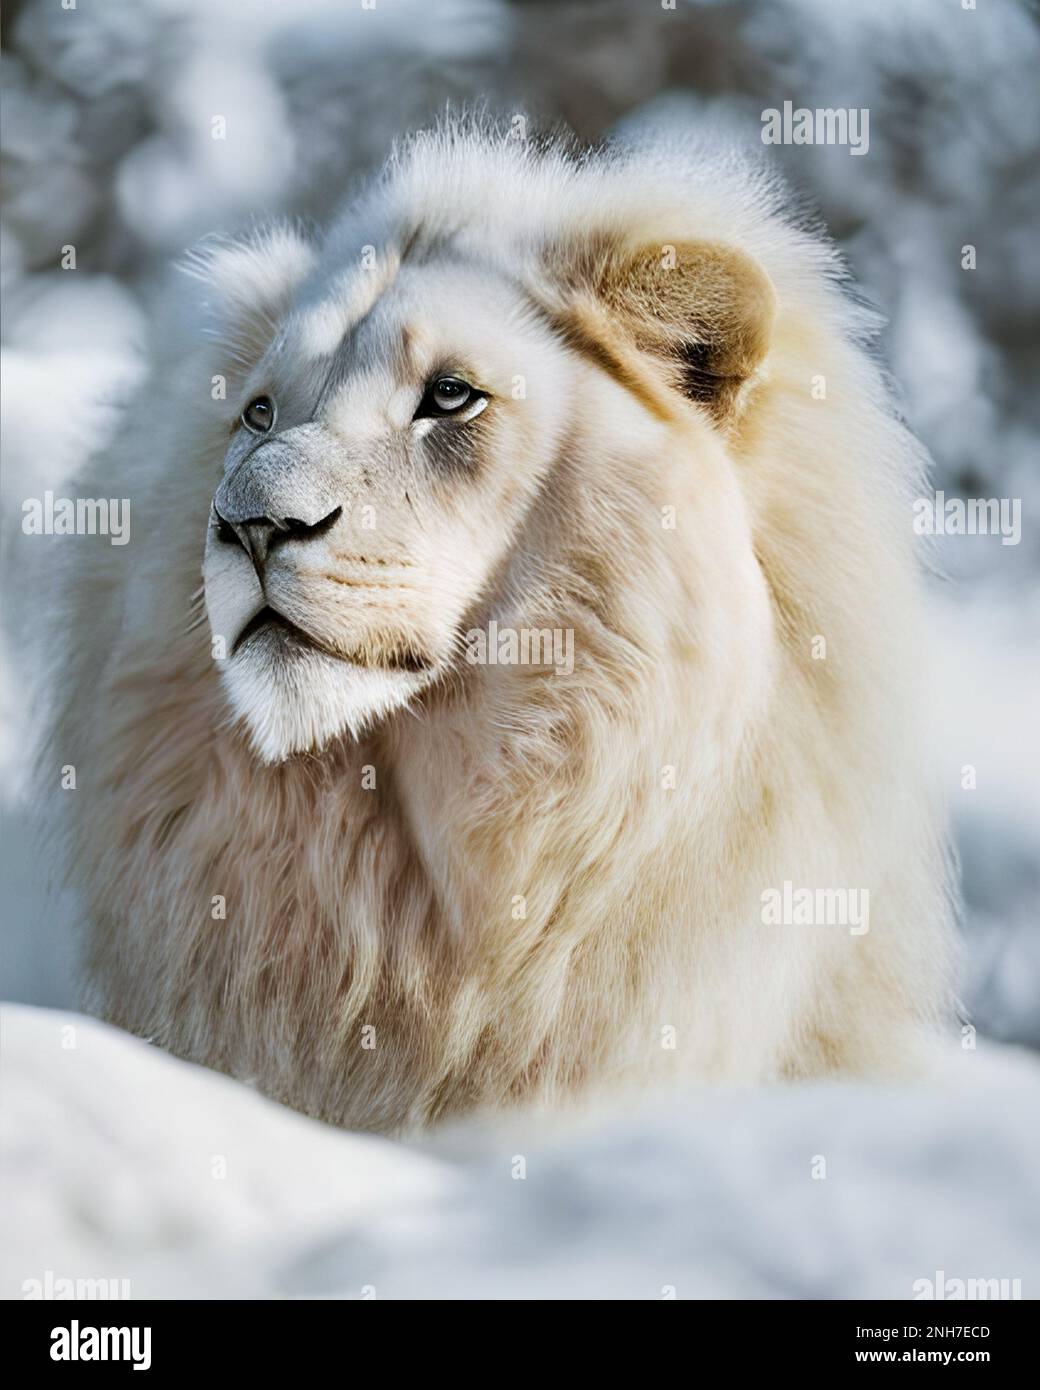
column 296, row 701
column 291, row 673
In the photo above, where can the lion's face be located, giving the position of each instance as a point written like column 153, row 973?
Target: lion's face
column 389, row 442
column 393, row 423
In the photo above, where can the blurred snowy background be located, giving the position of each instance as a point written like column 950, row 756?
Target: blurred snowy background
column 107, row 145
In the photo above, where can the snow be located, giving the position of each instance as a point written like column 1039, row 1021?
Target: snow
column 112, row 1153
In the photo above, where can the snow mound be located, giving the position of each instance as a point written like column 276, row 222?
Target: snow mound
column 124, row 1163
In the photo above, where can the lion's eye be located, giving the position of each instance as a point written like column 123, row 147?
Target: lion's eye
column 446, row 395
column 258, row 415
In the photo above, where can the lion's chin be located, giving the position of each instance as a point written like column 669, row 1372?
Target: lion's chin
column 295, row 698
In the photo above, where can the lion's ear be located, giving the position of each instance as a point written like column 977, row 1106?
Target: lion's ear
column 704, row 309
column 249, row 283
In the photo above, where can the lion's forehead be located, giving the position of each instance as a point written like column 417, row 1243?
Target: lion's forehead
column 363, row 327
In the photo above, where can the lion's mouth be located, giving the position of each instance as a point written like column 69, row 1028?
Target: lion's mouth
column 269, row 621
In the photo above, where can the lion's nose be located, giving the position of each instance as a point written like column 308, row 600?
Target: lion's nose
column 283, row 490
column 259, row 535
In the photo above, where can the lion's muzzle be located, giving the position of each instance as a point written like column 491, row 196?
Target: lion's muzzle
column 283, row 489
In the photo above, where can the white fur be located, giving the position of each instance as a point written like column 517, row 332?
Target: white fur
column 552, row 870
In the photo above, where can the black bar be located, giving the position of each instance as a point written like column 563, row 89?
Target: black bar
column 782, row 1337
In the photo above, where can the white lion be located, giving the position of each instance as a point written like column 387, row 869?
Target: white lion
column 338, row 845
